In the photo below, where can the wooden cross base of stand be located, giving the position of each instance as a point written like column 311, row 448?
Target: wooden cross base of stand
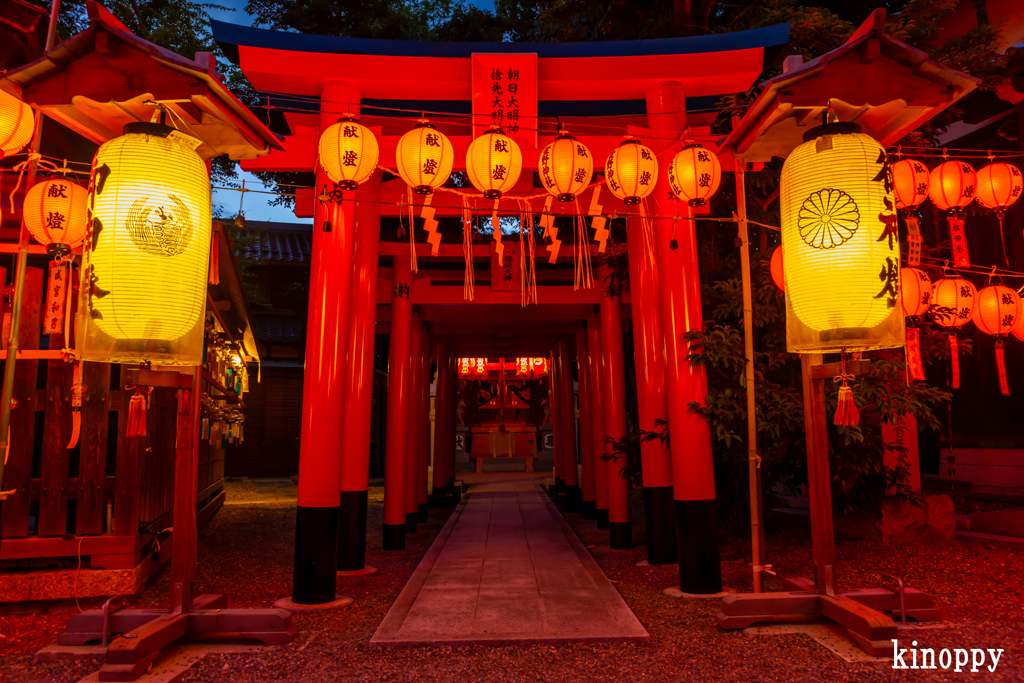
column 861, row 613
column 144, row 632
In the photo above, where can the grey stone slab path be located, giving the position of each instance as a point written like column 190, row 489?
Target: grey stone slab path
column 507, row 568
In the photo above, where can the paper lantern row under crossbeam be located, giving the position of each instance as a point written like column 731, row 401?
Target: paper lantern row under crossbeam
column 349, row 153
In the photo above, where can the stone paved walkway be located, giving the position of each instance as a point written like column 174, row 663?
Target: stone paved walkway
column 507, row 568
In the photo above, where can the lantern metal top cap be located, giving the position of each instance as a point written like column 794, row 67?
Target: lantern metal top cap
column 499, row 131
column 629, row 141
column 348, row 117
column 838, row 128
column 146, row 128
column 423, row 123
column 690, row 144
column 563, row 134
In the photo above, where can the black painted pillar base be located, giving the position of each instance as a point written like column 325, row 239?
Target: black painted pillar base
column 660, row 516
column 440, row 491
column 620, row 535
column 556, row 488
column 589, row 509
column 394, row 537
column 316, row 555
column 602, row 519
column 700, row 565
column 410, row 522
column 569, row 499
column 421, row 512
column 352, row 531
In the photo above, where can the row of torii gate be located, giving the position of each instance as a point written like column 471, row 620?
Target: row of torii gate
column 362, row 284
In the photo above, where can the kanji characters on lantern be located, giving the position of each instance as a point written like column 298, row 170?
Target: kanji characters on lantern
column 56, row 214
column 694, row 174
column 472, row 367
column 348, row 152
column 531, row 367
column 631, row 171
column 566, row 167
column 909, row 183
column 493, row 163
column 425, row 157
column 952, row 185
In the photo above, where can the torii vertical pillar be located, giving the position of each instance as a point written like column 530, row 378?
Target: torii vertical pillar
column 649, row 345
column 396, row 451
column 413, row 447
column 424, row 439
column 323, row 391
column 567, row 407
column 355, row 461
column 586, row 423
column 619, row 527
column 598, row 397
column 557, row 468
column 693, row 474
column 442, row 400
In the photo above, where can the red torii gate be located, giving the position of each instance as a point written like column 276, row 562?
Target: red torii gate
column 600, row 91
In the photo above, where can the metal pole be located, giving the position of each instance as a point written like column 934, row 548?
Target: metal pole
column 19, row 285
column 754, row 461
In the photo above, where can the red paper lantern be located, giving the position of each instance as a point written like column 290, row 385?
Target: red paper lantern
column 910, row 183
column 999, row 185
column 958, row 295
column 916, row 289
column 694, row 174
column 566, row 167
column 778, row 274
column 631, row 171
column 997, row 311
column 56, row 213
column 952, row 185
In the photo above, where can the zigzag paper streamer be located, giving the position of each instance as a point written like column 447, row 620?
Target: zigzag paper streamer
column 499, row 248
column 430, row 225
column 601, row 233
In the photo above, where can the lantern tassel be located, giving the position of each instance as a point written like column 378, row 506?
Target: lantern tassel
column 499, row 248
column 415, row 266
column 954, row 358
column 1004, row 385
column 847, row 413
column 584, row 267
column 524, row 276
column 531, row 260
column 467, row 250
column 136, row 414
column 647, row 230
column 1000, row 215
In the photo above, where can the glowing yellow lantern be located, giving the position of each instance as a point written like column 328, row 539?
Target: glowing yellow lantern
column 909, row 183
column 997, row 311
column 143, row 294
column 958, row 296
column 493, row 163
column 348, row 152
column 841, row 249
column 694, row 174
column 566, row 167
column 952, row 185
column 56, row 214
column 916, row 291
column 631, row 171
column 16, row 124
column 999, row 186
column 424, row 157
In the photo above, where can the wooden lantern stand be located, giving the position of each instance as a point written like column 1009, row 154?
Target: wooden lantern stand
column 144, row 632
column 860, row 613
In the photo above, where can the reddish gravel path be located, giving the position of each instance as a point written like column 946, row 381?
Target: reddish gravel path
column 246, row 553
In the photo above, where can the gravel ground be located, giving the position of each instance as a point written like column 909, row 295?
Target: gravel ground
column 246, row 552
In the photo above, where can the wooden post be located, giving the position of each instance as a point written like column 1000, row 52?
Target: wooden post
column 186, row 460
column 819, row 483
column 92, row 459
column 53, row 495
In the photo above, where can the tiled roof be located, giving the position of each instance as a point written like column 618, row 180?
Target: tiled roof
column 271, row 327
column 275, row 242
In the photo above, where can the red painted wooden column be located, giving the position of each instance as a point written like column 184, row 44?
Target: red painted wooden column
column 649, row 352
column 442, row 399
column 586, row 423
column 597, row 404
column 619, row 527
column 423, row 460
column 355, row 460
column 692, row 465
column 453, row 405
column 557, row 468
column 567, row 405
column 323, row 389
column 415, row 416
column 396, row 452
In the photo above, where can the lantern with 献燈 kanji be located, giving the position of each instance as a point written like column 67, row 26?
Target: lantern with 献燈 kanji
column 776, row 269
column 952, row 185
column 531, row 368
column 424, row 157
column 999, row 186
column 841, row 251
column 694, row 174
column 348, row 152
column 493, row 163
column 953, row 302
column 909, row 183
column 565, row 167
column 916, row 296
column 16, row 124
column 147, row 261
column 997, row 313
column 631, row 171
column 56, row 214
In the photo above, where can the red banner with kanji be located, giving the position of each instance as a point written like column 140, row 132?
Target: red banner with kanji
column 961, row 258
column 56, row 298
column 914, row 362
column 505, row 96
